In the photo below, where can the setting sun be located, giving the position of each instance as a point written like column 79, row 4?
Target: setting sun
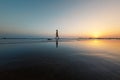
column 96, row 34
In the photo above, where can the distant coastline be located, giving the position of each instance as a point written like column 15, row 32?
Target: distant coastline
column 21, row 38
column 98, row 38
column 60, row 38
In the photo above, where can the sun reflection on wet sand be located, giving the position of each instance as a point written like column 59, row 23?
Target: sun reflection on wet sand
column 109, row 45
column 107, row 49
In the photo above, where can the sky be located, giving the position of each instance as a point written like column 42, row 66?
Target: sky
column 73, row 18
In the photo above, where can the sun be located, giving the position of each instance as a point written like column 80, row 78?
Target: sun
column 96, row 35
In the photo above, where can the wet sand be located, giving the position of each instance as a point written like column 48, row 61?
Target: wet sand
column 43, row 61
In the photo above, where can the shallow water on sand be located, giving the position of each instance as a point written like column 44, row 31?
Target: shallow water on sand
column 60, row 60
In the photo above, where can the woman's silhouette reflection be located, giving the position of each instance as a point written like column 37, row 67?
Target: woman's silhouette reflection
column 56, row 43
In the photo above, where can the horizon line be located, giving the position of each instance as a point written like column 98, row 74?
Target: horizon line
column 62, row 38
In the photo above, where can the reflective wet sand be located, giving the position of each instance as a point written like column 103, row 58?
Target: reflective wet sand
column 69, row 60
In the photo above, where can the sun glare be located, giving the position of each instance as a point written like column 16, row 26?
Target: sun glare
column 96, row 34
